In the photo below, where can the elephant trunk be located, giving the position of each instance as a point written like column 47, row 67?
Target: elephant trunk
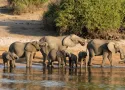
column 82, row 42
column 122, row 55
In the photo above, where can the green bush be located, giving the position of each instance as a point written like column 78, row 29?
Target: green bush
column 49, row 16
column 95, row 15
column 87, row 16
column 22, row 6
column 122, row 12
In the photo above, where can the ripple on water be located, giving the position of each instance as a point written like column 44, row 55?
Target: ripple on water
column 47, row 83
column 14, row 81
column 44, row 83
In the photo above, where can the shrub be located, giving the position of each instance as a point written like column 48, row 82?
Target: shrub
column 94, row 15
column 22, row 6
column 50, row 15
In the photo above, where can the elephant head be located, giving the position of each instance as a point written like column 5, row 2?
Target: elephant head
column 9, row 56
column 116, row 47
column 34, row 46
column 72, row 40
column 44, row 46
column 12, row 56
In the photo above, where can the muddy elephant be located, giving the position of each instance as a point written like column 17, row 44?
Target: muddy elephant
column 57, row 55
column 82, row 56
column 26, row 50
column 105, row 48
column 72, row 60
column 59, row 43
column 9, row 58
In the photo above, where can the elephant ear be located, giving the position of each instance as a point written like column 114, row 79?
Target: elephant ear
column 67, row 41
column 31, row 47
column 36, row 45
column 8, row 56
column 111, row 47
column 45, row 45
column 14, row 56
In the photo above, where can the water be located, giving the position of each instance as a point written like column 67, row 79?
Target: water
column 39, row 78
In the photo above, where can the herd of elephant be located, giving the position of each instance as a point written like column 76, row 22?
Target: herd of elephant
column 54, row 49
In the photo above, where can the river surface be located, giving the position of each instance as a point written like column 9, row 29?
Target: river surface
column 39, row 78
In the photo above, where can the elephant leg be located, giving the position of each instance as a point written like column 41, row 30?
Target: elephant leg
column 52, row 63
column 85, row 62
column 34, row 55
column 89, row 62
column 8, row 63
column 13, row 63
column 110, row 59
column 49, row 62
column 105, row 54
column 81, row 62
column 65, row 62
column 91, row 55
column 70, row 63
column 44, row 59
column 31, row 58
column 4, row 64
column 76, row 63
column 27, row 55
column 59, row 62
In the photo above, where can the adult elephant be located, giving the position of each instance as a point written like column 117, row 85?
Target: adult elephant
column 59, row 43
column 26, row 50
column 105, row 48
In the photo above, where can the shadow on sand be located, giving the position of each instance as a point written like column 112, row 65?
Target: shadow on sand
column 16, row 25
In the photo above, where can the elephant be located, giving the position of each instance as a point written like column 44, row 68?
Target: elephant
column 72, row 60
column 82, row 58
column 26, row 50
column 106, row 48
column 57, row 55
column 9, row 58
column 59, row 43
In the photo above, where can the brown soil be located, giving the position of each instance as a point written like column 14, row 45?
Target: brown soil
column 28, row 27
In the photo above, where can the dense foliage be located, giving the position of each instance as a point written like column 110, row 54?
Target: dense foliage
column 22, row 6
column 80, row 16
column 50, row 16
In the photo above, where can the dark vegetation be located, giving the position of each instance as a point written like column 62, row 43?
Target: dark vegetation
column 103, row 19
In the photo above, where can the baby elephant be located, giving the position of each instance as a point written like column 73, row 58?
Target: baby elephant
column 57, row 55
column 9, row 58
column 82, row 57
column 72, row 60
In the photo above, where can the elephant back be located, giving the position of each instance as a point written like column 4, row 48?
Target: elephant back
column 17, row 48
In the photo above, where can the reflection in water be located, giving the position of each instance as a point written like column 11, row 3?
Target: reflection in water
column 62, row 78
column 73, row 71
